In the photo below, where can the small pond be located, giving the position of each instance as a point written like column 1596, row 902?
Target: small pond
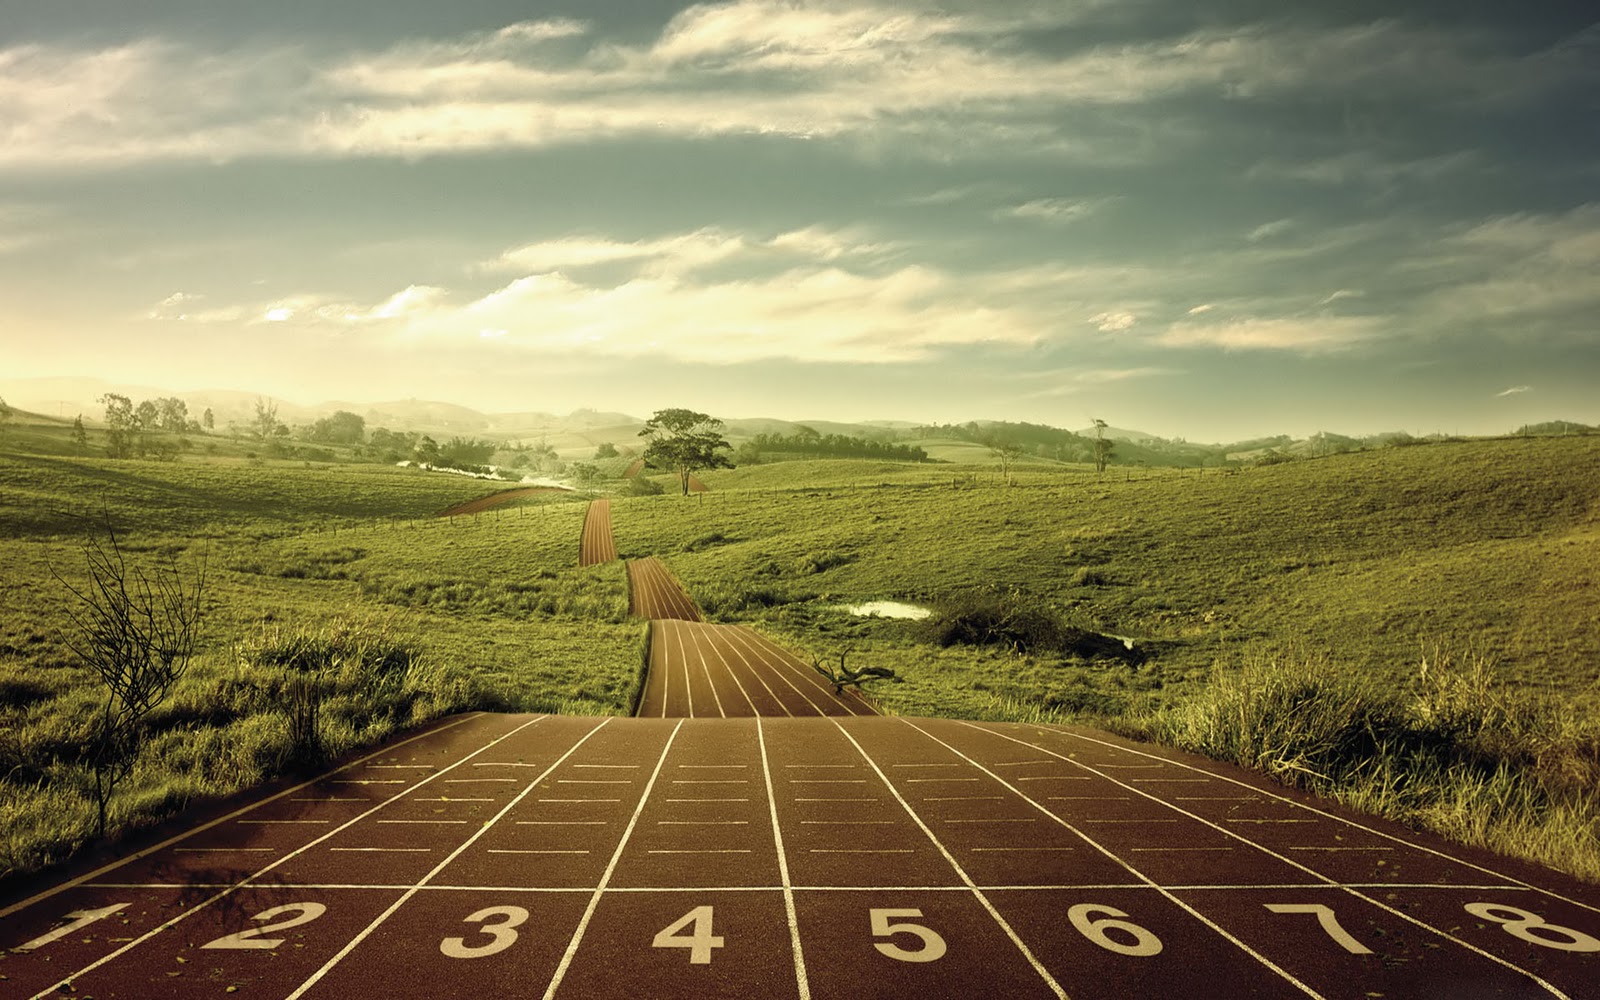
column 888, row 609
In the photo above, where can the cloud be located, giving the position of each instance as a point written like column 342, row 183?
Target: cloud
column 1342, row 293
column 1113, row 322
column 1514, row 390
column 942, row 81
column 1268, row 230
column 1310, row 335
column 1203, row 307
column 683, row 253
column 1059, row 211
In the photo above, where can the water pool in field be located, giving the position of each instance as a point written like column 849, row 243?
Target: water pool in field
column 888, row 609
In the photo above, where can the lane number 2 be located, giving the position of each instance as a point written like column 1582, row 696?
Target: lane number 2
column 502, row 935
column 933, row 946
column 255, row 937
column 700, row 941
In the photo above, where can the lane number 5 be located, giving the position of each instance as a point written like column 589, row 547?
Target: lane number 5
column 933, row 947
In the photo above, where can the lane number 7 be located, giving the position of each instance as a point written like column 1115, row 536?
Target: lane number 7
column 1329, row 922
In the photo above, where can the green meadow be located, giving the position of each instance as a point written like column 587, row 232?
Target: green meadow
column 1410, row 629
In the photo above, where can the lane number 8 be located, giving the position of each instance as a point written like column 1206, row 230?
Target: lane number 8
column 1531, row 927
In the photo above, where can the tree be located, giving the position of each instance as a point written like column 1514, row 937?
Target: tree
column 138, row 631
column 1102, row 447
column 174, row 414
column 1006, row 452
column 343, row 427
column 208, row 420
column 427, row 451
column 5, row 415
column 606, row 450
column 683, row 440
column 265, row 424
column 120, row 424
column 80, row 437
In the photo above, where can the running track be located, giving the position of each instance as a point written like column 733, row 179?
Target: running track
column 819, row 857
column 654, row 594
column 596, row 545
column 699, row 670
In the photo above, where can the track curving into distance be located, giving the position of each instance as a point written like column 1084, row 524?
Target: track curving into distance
column 597, row 545
column 800, row 857
column 653, row 592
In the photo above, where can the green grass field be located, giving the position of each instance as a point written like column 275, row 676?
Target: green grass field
column 1273, row 608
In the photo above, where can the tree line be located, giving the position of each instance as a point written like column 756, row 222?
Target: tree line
column 808, row 442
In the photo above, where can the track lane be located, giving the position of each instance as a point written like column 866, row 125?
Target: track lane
column 596, row 545
column 806, row 832
column 655, row 594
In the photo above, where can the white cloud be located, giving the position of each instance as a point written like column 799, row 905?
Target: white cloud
column 1113, row 322
column 683, row 253
column 278, row 314
column 746, row 67
column 1268, row 230
column 1203, row 307
column 1059, row 211
column 1313, row 335
column 1514, row 390
column 1342, row 293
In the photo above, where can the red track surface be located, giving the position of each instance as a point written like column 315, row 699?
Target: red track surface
column 840, row 857
column 495, row 499
column 726, row 671
column 597, row 545
column 654, row 594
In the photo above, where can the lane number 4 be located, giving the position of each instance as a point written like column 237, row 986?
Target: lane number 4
column 700, row 941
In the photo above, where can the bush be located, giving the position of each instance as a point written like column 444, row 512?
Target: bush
column 644, row 486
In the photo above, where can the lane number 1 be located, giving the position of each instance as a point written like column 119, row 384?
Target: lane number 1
column 79, row 919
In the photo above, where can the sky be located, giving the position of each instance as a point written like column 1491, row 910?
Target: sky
column 1211, row 219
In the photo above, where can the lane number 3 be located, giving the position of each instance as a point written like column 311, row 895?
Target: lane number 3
column 502, row 934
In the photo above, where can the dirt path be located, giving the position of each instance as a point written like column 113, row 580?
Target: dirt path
column 597, row 545
column 818, row 857
column 495, row 499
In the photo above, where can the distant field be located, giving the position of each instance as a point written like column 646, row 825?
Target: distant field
column 1368, row 562
column 1372, row 557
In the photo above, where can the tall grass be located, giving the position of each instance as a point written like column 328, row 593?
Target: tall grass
column 1461, row 753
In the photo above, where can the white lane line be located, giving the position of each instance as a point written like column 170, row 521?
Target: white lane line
column 789, row 660
column 505, row 763
column 1123, row 862
column 1333, row 816
column 329, row 798
column 695, row 636
column 861, row 850
column 1217, row 798
column 402, row 767
column 480, row 781
column 561, row 822
column 1021, row 763
column 191, row 911
column 451, row 798
column 702, row 822
column 350, row 946
column 847, row 822
column 577, row 800
column 1345, row 849
column 367, row 781
column 507, row 850
column 1548, row 987
column 921, row 781
column 848, row 767
column 658, row 632
column 738, row 650
column 1023, row 848
column 284, row 822
column 963, row 798
column 1054, row 777
column 1141, row 822
column 611, row 867
column 711, row 781
column 432, row 822
column 1088, row 798
column 827, row 781
column 594, row 781
column 714, row 767
column 1269, row 821
column 382, row 850
column 924, row 765
column 836, row 800
column 977, row 893
column 607, row 767
column 728, row 668
column 1170, row 781
column 1168, row 850
column 727, row 850
column 708, row 800
column 996, row 820
column 224, row 850
column 802, row 979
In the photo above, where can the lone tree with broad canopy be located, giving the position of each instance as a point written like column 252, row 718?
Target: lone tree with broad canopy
column 683, row 440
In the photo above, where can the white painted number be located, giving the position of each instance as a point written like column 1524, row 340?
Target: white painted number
column 1144, row 943
column 1530, row 927
column 501, row 935
column 253, row 938
column 1329, row 922
column 932, row 949
column 79, row 918
column 699, row 943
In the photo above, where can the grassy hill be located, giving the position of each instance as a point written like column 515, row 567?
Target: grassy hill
column 1282, row 589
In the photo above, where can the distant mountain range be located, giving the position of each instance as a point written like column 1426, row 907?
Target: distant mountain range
column 66, row 397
